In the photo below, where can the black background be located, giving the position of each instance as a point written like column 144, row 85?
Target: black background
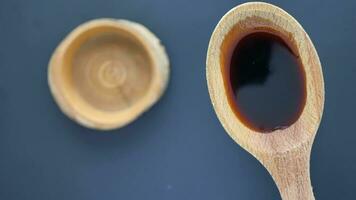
column 178, row 149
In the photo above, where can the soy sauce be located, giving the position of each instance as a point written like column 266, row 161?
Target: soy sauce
column 267, row 82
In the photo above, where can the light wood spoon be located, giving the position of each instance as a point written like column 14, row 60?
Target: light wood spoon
column 285, row 152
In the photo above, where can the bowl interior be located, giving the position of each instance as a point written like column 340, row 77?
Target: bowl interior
column 107, row 68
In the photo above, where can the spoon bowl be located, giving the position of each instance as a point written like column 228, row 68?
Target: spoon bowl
column 284, row 152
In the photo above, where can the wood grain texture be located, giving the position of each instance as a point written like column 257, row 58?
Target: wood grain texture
column 107, row 72
column 285, row 153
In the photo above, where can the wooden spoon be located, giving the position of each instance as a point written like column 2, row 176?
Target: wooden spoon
column 107, row 72
column 285, row 152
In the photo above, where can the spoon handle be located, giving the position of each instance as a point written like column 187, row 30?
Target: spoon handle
column 291, row 173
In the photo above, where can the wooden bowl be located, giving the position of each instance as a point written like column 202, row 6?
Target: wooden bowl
column 107, row 72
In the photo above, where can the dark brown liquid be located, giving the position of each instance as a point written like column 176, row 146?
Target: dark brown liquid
column 267, row 82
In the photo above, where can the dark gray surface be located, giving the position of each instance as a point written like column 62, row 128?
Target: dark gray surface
column 177, row 150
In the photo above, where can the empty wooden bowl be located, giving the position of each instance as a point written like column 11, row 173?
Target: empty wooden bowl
column 285, row 151
column 107, row 72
